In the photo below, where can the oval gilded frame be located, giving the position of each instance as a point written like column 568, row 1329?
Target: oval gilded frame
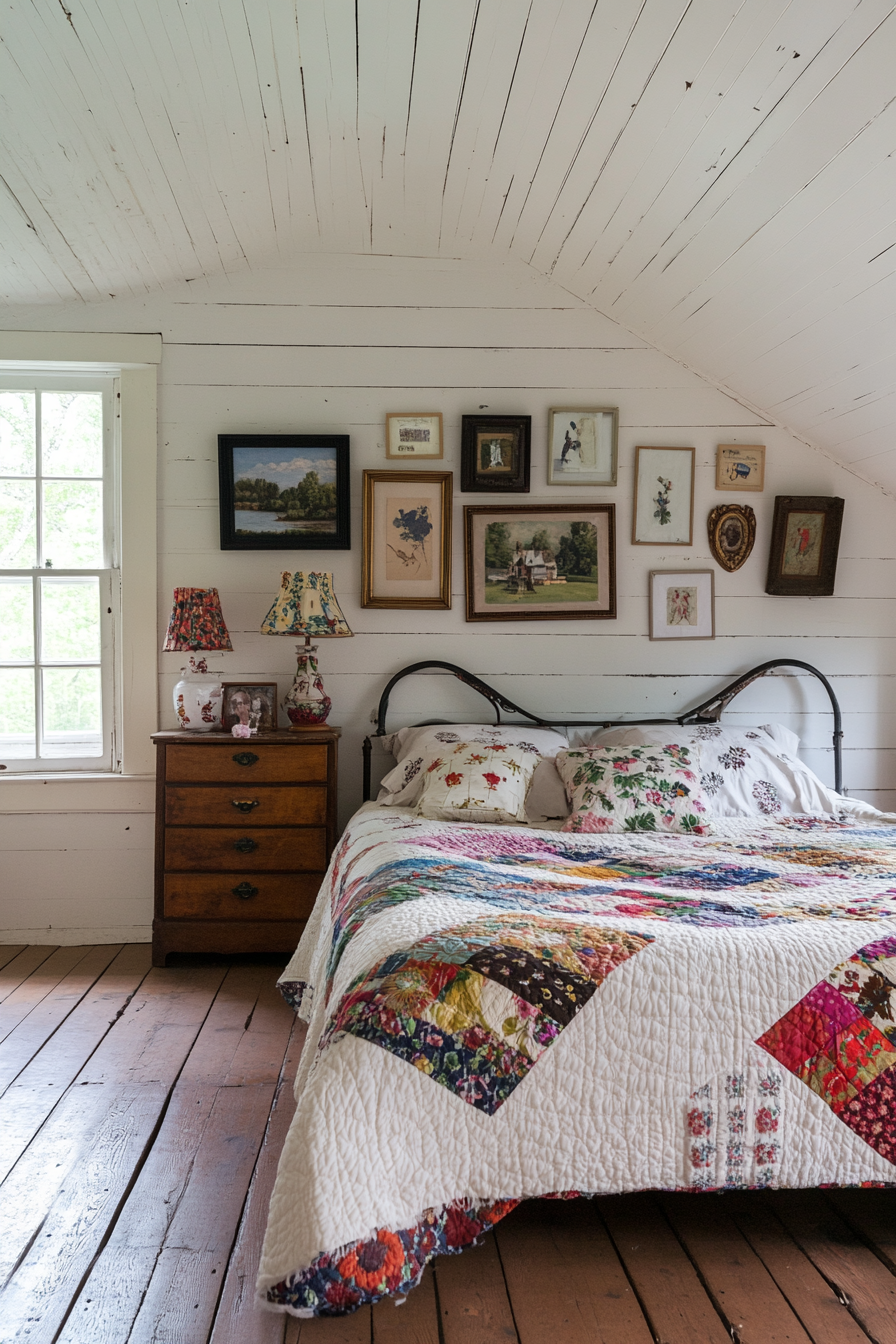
column 732, row 532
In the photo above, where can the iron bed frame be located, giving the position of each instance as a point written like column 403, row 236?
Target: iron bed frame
column 710, row 711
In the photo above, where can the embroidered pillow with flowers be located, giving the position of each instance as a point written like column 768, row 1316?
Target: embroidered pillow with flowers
column 643, row 788
column 475, row 781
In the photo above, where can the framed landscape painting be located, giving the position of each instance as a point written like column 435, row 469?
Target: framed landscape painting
column 541, row 562
column 284, row 492
column 802, row 559
column 406, row 546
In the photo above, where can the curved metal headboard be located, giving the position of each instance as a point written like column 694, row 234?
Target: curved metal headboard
column 710, row 711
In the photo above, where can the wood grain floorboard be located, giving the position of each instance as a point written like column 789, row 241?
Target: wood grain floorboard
column 10, row 950
column 415, row 1321
column 872, row 1214
column 40, row 983
column 19, row 967
column 473, row 1301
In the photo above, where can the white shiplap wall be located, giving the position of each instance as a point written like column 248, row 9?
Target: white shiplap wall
column 335, row 342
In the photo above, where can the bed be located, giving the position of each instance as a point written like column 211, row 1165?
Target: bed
column 505, row 1011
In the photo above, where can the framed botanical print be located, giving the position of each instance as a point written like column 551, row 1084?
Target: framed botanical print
column 414, row 436
column 495, row 452
column 284, row 492
column 682, row 604
column 740, row 466
column 582, row 445
column 802, row 559
column 663, row 513
column 540, row 562
column 406, row 542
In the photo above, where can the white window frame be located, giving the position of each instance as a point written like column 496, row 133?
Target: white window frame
column 133, row 360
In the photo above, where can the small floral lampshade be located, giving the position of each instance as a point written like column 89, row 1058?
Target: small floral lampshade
column 197, row 622
column 306, row 605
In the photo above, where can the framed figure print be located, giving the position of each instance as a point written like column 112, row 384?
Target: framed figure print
column 284, row 492
column 682, row 604
column 413, row 436
column 252, row 703
column 802, row 560
column 582, row 446
column 663, row 513
column 740, row 466
column 541, row 562
column 494, row 452
column 406, row 543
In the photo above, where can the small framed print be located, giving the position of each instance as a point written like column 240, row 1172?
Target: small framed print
column 406, row 540
column 732, row 532
column 494, row 452
column 251, row 703
column 582, row 445
column 740, row 466
column 682, row 604
column 802, row 560
column 284, row 492
column 664, row 497
column 414, row 436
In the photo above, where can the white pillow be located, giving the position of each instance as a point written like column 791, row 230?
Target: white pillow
column 472, row 781
column 416, row 749
column 744, row 772
column 546, row 799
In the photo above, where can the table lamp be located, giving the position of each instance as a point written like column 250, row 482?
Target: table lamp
column 306, row 605
column 197, row 624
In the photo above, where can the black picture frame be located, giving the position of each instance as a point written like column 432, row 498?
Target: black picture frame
column 508, row 437
column 802, row 559
column 325, row 533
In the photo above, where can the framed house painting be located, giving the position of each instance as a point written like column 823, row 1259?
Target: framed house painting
column 682, row 604
column 414, row 436
column 663, row 513
column 406, row 543
column 541, row 562
column 284, row 492
column 740, row 466
column 802, row 559
column 495, row 452
column 582, row 445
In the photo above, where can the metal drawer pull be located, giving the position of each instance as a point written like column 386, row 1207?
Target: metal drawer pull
column 245, row 845
column 245, row 891
column 245, row 758
column 244, row 804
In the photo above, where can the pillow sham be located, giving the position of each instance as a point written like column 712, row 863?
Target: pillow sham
column 416, row 749
column 640, row 788
column 470, row 781
column 546, row 799
column 745, row 772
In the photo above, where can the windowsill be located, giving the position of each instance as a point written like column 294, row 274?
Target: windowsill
column 81, row 792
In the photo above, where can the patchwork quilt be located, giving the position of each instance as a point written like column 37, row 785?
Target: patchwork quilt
column 497, row 1013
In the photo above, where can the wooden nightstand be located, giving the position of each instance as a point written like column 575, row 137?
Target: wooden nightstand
column 244, row 833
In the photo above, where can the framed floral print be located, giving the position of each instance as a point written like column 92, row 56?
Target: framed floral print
column 582, row 445
column 802, row 560
column 682, row 604
column 494, row 453
column 663, row 514
column 406, row 539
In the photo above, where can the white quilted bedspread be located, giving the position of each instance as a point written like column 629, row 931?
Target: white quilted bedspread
column 504, row 1012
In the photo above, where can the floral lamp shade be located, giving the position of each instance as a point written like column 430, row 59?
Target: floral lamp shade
column 197, row 622
column 306, row 605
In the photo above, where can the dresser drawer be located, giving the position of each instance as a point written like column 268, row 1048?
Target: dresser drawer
column 246, row 763
column 223, row 805
column 242, row 896
column 247, row 849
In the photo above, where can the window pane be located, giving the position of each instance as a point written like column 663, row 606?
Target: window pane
column 69, row 619
column 17, row 434
column 73, row 524
column 17, row 735
column 71, row 432
column 73, row 712
column 17, row 623
column 18, row 526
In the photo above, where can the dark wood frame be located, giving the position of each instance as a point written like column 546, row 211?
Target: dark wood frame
column 810, row 585
column 708, row 711
column 246, row 685
column 340, row 540
column 661, row 448
column 514, row 614
column 714, row 524
column 472, row 481
column 368, row 598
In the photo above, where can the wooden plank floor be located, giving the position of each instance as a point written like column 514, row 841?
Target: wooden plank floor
column 141, row 1115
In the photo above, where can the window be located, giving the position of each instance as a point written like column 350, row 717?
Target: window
column 59, row 576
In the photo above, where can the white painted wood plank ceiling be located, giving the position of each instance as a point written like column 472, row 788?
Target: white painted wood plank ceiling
column 716, row 175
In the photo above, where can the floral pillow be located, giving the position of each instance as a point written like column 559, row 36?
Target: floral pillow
column 416, row 749
column 470, row 781
column 643, row 788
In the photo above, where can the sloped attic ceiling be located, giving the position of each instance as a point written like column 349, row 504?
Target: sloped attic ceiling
column 717, row 175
